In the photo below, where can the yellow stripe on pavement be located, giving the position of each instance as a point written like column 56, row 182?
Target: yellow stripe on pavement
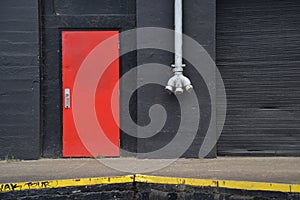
column 241, row 185
column 175, row 181
column 8, row 187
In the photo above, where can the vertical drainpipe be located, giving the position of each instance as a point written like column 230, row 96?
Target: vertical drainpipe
column 178, row 33
column 178, row 82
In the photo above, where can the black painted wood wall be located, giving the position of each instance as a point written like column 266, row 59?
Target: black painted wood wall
column 60, row 15
column 19, row 79
column 258, row 54
column 199, row 24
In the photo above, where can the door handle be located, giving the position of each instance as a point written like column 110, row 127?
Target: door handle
column 67, row 98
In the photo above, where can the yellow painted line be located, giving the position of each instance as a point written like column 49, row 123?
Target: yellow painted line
column 175, row 181
column 275, row 187
column 242, row 185
column 295, row 188
column 8, row 187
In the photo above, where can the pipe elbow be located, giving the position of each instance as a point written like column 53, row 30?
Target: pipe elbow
column 186, row 83
column 171, row 84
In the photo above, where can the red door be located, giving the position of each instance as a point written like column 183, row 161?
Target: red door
column 90, row 73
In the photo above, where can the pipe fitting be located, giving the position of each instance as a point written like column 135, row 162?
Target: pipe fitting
column 178, row 83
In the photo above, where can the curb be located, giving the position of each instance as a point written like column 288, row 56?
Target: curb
column 139, row 178
column 9, row 187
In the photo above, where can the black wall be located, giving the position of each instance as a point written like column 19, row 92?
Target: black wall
column 60, row 15
column 19, row 79
column 121, row 15
column 198, row 23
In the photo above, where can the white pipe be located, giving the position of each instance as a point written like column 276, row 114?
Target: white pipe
column 178, row 82
column 178, row 33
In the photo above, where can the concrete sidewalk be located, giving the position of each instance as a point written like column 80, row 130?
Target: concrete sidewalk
column 258, row 169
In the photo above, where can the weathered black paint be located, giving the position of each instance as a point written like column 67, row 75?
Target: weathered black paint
column 258, row 54
column 76, row 15
column 199, row 23
column 144, row 191
column 164, row 191
column 103, row 192
column 19, row 79
column 103, row 7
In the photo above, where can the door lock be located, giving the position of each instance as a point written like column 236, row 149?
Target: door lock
column 67, row 98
